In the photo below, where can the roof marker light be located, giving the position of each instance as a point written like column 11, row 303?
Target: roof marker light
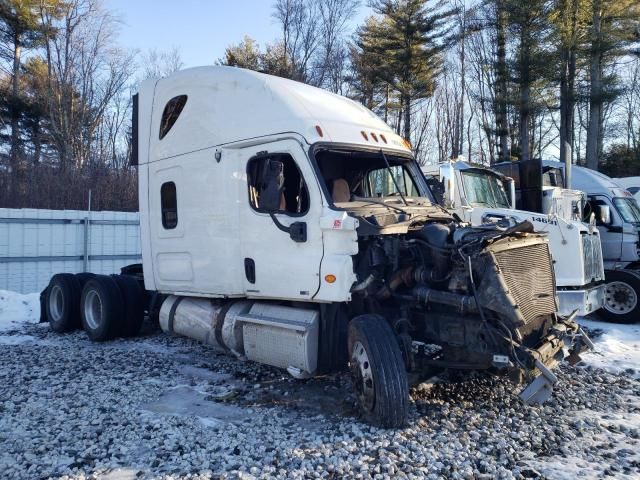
column 384, row 139
column 374, row 136
column 319, row 130
column 364, row 135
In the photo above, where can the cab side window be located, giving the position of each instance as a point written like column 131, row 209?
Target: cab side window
column 169, row 205
column 294, row 199
column 170, row 114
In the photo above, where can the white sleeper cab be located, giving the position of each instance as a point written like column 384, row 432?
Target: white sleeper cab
column 290, row 226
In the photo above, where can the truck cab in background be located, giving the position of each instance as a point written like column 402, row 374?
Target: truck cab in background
column 479, row 195
column 632, row 184
column 617, row 216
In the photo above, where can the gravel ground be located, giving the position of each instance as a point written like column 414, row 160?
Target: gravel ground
column 166, row 407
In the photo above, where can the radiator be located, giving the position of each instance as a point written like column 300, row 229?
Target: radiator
column 528, row 273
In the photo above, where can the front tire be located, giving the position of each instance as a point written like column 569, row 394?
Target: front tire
column 378, row 372
column 622, row 296
column 101, row 308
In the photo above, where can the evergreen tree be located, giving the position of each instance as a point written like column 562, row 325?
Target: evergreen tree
column 405, row 46
column 20, row 28
column 613, row 29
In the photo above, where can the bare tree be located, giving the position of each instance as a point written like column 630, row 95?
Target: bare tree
column 330, row 64
column 156, row 64
column 299, row 23
column 85, row 72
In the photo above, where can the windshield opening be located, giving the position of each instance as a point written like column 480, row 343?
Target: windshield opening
column 628, row 209
column 352, row 175
column 482, row 188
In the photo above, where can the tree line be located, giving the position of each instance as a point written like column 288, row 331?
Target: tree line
column 65, row 105
column 490, row 80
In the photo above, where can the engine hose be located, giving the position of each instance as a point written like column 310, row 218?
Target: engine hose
column 463, row 303
column 364, row 284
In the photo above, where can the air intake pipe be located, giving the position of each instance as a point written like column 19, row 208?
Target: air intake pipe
column 464, row 304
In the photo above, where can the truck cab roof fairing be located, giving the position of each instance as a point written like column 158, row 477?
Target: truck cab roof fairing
column 229, row 104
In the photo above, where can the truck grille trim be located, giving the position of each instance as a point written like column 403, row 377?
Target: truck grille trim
column 528, row 273
column 592, row 254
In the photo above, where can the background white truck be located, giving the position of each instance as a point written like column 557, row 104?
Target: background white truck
column 479, row 195
column 290, row 226
column 617, row 217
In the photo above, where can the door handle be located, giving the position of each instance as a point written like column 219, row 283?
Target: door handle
column 297, row 230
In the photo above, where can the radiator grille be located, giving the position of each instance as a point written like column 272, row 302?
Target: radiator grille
column 592, row 253
column 528, row 273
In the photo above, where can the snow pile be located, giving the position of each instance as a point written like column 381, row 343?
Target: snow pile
column 16, row 308
column 617, row 347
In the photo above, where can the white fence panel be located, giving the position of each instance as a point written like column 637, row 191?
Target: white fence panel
column 35, row 244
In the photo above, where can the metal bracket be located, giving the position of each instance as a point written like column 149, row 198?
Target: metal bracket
column 541, row 388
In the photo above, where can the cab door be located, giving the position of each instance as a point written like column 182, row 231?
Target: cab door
column 282, row 248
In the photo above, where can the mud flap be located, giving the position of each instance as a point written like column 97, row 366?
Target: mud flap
column 541, row 388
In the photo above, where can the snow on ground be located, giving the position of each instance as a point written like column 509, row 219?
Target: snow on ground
column 161, row 406
column 617, row 347
column 16, row 309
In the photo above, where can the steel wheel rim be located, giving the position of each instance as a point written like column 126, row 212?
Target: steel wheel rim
column 362, row 376
column 56, row 303
column 93, row 309
column 620, row 298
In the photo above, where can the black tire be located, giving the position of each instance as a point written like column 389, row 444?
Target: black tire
column 133, row 296
column 44, row 316
column 83, row 278
column 102, row 308
column 622, row 297
column 380, row 376
column 62, row 300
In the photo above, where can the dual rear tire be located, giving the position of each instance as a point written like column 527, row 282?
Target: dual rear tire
column 104, row 306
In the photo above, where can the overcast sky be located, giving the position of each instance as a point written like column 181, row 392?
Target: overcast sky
column 200, row 29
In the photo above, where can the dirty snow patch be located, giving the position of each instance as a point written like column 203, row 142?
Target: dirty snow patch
column 617, row 347
column 16, row 308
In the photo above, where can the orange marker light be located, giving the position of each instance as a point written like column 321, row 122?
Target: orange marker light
column 364, row 135
column 384, row 139
column 406, row 143
column 374, row 136
column 319, row 130
column 330, row 278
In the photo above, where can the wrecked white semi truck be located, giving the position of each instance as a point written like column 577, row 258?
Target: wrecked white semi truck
column 290, row 226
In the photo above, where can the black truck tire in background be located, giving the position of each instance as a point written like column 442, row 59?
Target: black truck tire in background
column 134, row 299
column 101, row 308
column 62, row 303
column 622, row 296
column 378, row 372
column 83, row 278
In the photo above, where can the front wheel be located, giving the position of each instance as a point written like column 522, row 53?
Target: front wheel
column 622, row 293
column 378, row 372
